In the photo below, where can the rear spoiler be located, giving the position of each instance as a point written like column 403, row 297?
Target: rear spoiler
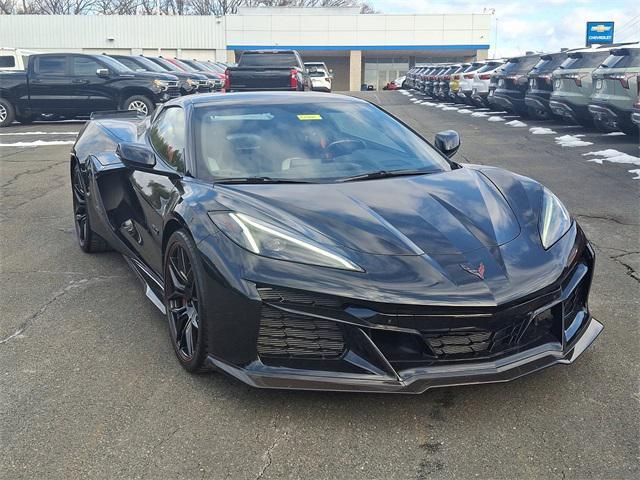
column 116, row 114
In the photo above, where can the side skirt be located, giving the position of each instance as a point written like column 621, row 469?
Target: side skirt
column 154, row 287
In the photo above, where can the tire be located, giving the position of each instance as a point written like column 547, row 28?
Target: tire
column 538, row 113
column 25, row 120
column 88, row 240
column 602, row 126
column 631, row 130
column 185, row 303
column 7, row 113
column 140, row 103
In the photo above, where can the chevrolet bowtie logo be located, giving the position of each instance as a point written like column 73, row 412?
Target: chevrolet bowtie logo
column 600, row 28
column 478, row 272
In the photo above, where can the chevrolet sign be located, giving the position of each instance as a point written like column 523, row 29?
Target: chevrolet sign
column 599, row 33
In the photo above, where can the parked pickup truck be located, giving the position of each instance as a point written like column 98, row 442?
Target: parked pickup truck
column 268, row 70
column 69, row 85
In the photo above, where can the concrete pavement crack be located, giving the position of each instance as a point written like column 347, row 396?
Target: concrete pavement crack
column 609, row 219
column 51, row 300
column 15, row 178
column 268, row 458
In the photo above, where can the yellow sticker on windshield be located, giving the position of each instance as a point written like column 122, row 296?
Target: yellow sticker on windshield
column 309, row 117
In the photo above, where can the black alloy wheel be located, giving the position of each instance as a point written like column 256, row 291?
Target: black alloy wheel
column 89, row 241
column 183, row 303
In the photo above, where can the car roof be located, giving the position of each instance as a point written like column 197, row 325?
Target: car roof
column 262, row 98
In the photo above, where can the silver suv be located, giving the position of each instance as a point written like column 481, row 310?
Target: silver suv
column 616, row 84
column 572, row 86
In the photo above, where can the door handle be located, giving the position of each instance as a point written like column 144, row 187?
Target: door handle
column 80, row 82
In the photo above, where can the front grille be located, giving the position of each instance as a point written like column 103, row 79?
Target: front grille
column 522, row 331
column 297, row 336
column 173, row 90
column 277, row 295
column 456, row 343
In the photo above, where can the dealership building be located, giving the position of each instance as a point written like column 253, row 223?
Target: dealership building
column 359, row 48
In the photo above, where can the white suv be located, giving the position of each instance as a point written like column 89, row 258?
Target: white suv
column 481, row 79
column 320, row 76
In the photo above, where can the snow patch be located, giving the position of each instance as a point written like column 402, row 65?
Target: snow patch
column 516, row 123
column 636, row 172
column 497, row 113
column 11, row 134
column 541, row 131
column 38, row 143
column 479, row 114
column 572, row 141
column 495, row 119
column 613, row 156
column 449, row 108
column 464, row 110
column 614, row 134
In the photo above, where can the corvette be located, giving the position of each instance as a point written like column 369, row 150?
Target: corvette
column 314, row 241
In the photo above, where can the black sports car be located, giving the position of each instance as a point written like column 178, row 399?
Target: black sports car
column 313, row 241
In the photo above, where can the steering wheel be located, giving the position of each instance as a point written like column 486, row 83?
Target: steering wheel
column 343, row 147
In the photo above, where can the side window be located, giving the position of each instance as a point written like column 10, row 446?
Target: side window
column 52, row 65
column 168, row 137
column 7, row 61
column 84, row 66
column 127, row 62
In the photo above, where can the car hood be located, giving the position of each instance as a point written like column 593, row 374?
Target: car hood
column 445, row 213
column 156, row 75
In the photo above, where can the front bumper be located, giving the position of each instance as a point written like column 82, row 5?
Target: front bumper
column 569, row 110
column 294, row 339
column 610, row 116
column 508, row 101
column 416, row 380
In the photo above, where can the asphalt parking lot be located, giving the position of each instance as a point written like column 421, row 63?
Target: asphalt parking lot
column 90, row 387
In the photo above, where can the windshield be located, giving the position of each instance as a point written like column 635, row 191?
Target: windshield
column 623, row 59
column 306, row 141
column 166, row 64
column 489, row 66
column 114, row 65
column 275, row 60
column 148, row 64
column 584, row 60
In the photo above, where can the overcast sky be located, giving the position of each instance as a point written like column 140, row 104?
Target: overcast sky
column 544, row 25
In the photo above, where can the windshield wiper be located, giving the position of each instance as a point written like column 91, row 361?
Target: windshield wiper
column 257, row 180
column 386, row 174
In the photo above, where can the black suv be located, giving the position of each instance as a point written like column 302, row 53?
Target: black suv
column 541, row 85
column 68, row 85
column 513, row 83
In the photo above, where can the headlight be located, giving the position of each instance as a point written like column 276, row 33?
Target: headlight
column 191, row 83
column 271, row 241
column 161, row 84
column 554, row 219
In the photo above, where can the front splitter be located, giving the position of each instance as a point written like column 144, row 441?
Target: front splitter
column 415, row 380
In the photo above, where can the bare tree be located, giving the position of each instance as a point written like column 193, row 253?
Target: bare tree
column 161, row 7
column 63, row 7
column 7, row 7
column 116, row 7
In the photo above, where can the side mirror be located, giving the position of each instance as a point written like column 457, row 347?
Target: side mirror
column 102, row 72
column 138, row 157
column 448, row 142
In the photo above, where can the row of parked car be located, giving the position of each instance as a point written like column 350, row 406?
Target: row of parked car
column 590, row 86
column 70, row 85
